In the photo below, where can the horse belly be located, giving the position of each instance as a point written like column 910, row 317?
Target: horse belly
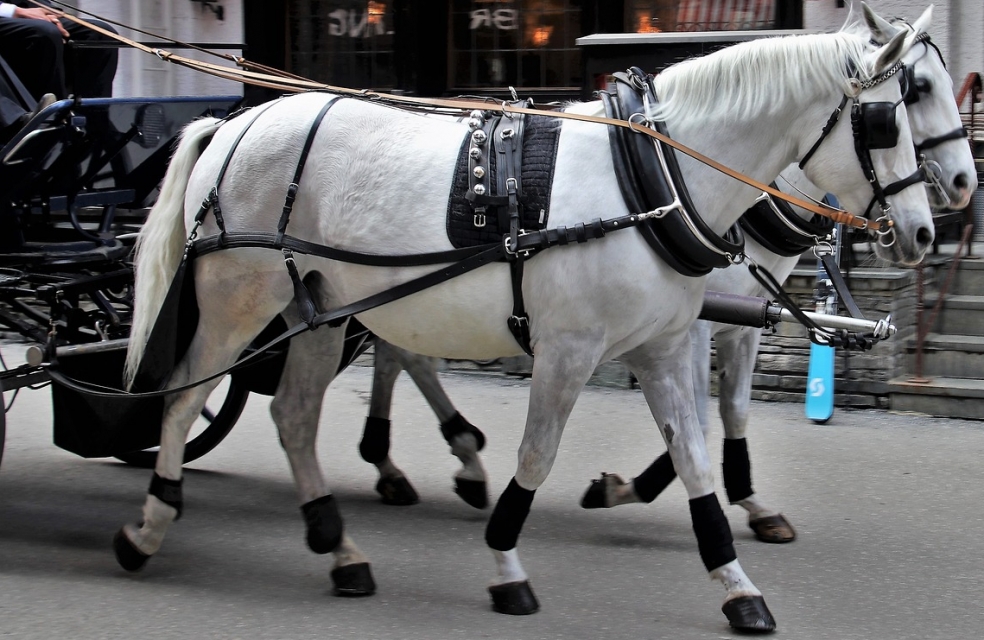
column 464, row 318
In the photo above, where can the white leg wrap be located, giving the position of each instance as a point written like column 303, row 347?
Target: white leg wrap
column 733, row 577
column 509, row 567
column 157, row 517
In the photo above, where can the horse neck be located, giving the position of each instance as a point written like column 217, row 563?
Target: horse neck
column 793, row 181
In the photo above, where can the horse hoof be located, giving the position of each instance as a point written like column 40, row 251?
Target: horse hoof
column 474, row 492
column 397, row 491
column 774, row 529
column 749, row 614
column 353, row 580
column 596, row 497
column 514, row 598
column 127, row 555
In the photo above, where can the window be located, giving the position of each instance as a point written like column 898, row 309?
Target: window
column 520, row 43
column 342, row 42
column 651, row 16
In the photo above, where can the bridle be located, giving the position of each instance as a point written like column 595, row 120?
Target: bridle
column 913, row 87
column 874, row 126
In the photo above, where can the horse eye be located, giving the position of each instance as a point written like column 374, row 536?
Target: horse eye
column 923, row 85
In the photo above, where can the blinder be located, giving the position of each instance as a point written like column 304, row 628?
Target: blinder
column 879, row 125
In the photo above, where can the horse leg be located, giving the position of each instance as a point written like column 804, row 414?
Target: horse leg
column 667, row 383
column 296, row 409
column 392, row 486
column 464, row 438
column 219, row 303
column 559, row 374
column 610, row 490
column 736, row 363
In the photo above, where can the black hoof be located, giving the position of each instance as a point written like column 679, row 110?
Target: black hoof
column 514, row 598
column 596, row 497
column 353, row 580
column 129, row 557
column 397, row 491
column 773, row 529
column 474, row 492
column 749, row 614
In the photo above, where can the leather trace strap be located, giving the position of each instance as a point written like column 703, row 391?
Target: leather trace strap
column 290, row 83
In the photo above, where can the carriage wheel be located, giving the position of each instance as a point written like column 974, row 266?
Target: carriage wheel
column 219, row 425
column 3, row 421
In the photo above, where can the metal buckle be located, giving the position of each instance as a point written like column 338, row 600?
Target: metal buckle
column 479, row 219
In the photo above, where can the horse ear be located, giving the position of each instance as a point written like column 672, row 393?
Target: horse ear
column 892, row 52
column 922, row 24
column 881, row 29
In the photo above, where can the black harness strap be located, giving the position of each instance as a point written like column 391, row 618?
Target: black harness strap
column 833, row 272
column 831, row 121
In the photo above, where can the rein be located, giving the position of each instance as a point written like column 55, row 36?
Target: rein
column 286, row 82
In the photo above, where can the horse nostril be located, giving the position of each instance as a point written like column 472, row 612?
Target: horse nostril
column 960, row 181
column 925, row 236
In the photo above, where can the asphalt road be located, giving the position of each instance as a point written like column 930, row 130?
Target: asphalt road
column 888, row 510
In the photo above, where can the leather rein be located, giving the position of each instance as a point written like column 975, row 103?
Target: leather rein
column 290, row 83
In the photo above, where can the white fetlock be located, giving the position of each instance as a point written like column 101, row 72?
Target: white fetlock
column 148, row 537
column 618, row 492
column 464, row 446
column 733, row 577
column 755, row 508
column 509, row 567
column 347, row 553
column 387, row 469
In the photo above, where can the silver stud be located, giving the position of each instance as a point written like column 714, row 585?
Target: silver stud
column 475, row 153
column 479, row 189
column 474, row 123
column 479, row 137
column 507, row 133
column 479, row 172
column 477, row 115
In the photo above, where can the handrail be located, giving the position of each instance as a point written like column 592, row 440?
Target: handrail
column 973, row 85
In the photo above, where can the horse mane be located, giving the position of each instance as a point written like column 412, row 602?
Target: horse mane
column 786, row 70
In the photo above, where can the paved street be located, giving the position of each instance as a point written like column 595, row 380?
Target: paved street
column 888, row 509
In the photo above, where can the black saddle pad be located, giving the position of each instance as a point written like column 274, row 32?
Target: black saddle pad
column 539, row 158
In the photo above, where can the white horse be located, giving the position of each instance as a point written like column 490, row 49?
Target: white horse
column 936, row 127
column 933, row 116
column 377, row 181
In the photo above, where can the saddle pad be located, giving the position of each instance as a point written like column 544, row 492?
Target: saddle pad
column 539, row 154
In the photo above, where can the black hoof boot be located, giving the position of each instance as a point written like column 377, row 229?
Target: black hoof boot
column 129, row 557
column 514, row 598
column 397, row 491
column 353, row 580
column 749, row 614
column 474, row 492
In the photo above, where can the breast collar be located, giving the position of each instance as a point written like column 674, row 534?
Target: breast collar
column 774, row 225
column 650, row 180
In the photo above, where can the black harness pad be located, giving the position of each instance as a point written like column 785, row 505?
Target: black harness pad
column 539, row 154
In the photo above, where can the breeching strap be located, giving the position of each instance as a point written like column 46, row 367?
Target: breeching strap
column 294, row 84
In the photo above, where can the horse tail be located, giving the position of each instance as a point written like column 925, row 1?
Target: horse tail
column 160, row 245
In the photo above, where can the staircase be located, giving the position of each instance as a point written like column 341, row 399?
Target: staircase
column 951, row 383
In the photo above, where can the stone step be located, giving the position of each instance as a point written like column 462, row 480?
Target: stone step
column 960, row 314
column 939, row 396
column 950, row 355
column 969, row 278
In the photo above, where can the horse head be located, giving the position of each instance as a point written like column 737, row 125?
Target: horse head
column 879, row 178
column 938, row 132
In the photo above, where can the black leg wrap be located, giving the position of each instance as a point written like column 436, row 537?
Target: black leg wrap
column 514, row 598
column 353, row 580
column 127, row 555
column 168, row 492
column 324, row 524
column 375, row 444
column 457, row 425
column 651, row 482
column 508, row 517
column 737, row 469
column 717, row 547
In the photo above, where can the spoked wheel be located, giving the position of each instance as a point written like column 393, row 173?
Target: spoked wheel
column 207, row 432
column 3, row 421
